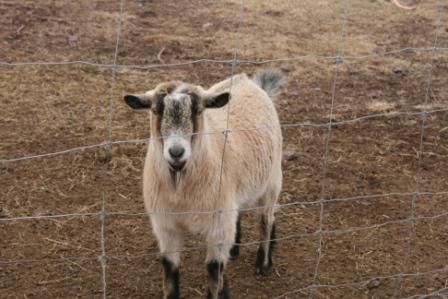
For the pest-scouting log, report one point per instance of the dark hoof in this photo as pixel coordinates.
(234, 252)
(263, 267)
(264, 270)
(224, 294)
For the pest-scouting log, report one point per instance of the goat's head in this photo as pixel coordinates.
(177, 116)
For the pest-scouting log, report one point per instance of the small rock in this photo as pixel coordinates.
(374, 284)
(289, 155)
(294, 92)
(377, 50)
(207, 25)
(288, 68)
(72, 38)
(399, 70)
(103, 156)
(274, 13)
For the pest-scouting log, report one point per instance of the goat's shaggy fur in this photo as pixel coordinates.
(220, 175)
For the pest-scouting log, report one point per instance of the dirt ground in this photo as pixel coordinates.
(48, 108)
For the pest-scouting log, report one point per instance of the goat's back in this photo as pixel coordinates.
(252, 156)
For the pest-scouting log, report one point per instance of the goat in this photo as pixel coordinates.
(192, 184)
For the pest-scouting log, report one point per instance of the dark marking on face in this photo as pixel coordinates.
(176, 113)
(172, 278)
(159, 110)
(194, 112)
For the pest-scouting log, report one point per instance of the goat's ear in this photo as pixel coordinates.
(138, 101)
(217, 100)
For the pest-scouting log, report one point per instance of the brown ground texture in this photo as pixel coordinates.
(49, 108)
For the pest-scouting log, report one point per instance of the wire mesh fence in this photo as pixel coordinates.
(412, 220)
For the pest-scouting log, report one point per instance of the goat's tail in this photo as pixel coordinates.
(270, 81)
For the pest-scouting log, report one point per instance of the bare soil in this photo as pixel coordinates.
(48, 108)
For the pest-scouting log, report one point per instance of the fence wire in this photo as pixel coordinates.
(368, 281)
(421, 146)
(313, 234)
(320, 233)
(406, 50)
(218, 214)
(305, 124)
(443, 293)
(351, 284)
(360, 198)
(339, 50)
(103, 257)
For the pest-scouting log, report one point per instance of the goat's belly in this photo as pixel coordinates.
(194, 224)
(250, 198)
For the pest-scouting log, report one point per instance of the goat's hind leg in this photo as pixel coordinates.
(267, 230)
(235, 250)
(267, 244)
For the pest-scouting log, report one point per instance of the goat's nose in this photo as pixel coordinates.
(176, 152)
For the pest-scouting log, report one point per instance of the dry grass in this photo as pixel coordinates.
(51, 108)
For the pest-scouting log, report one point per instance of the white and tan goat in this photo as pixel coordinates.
(186, 171)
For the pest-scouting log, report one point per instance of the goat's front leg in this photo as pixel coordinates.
(170, 243)
(220, 240)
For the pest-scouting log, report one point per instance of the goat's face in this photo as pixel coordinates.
(177, 117)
